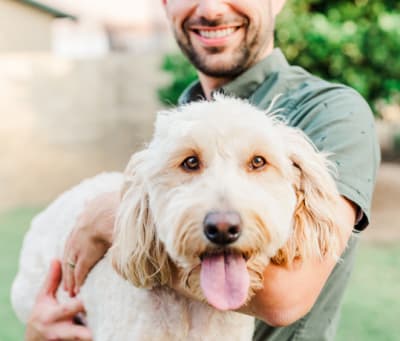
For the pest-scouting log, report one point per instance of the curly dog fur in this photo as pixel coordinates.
(218, 159)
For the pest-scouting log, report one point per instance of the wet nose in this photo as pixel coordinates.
(222, 228)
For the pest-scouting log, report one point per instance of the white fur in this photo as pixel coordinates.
(287, 209)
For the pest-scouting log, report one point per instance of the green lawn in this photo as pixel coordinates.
(371, 310)
(13, 225)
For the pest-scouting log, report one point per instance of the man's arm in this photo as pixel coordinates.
(290, 292)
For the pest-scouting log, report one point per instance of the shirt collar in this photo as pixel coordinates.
(245, 84)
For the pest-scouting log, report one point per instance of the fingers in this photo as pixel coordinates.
(82, 269)
(68, 310)
(50, 320)
(78, 241)
(52, 280)
(93, 251)
(89, 240)
(69, 279)
(70, 258)
(88, 258)
(68, 331)
(75, 276)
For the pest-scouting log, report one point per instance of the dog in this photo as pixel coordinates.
(222, 189)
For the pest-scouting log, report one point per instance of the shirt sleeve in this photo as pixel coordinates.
(340, 122)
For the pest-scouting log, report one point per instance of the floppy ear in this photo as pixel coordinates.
(315, 231)
(137, 254)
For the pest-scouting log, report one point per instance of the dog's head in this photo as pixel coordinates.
(221, 190)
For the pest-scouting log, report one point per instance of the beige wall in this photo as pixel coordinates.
(23, 28)
(64, 120)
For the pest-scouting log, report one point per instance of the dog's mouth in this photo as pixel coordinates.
(224, 279)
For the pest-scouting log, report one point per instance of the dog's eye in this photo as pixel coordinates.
(257, 162)
(191, 163)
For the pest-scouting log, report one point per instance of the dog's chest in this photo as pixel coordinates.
(120, 312)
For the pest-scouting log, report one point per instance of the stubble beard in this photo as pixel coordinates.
(234, 64)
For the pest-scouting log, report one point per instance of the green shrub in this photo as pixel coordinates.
(352, 42)
(182, 72)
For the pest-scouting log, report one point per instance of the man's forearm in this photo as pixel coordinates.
(290, 292)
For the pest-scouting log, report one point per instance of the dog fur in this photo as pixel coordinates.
(286, 208)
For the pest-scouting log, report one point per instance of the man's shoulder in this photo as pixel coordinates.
(305, 98)
(305, 89)
(301, 93)
(321, 107)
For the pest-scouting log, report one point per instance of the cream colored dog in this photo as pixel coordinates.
(221, 190)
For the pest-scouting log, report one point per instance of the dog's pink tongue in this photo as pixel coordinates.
(225, 281)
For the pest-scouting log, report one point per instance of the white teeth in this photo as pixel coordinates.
(217, 33)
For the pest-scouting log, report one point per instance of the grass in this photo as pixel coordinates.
(371, 309)
(13, 225)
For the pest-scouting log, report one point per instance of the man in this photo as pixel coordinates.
(230, 42)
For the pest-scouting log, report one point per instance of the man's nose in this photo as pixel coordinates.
(211, 9)
(222, 227)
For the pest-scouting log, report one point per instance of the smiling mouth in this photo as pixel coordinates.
(215, 33)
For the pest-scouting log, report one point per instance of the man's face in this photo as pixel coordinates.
(222, 38)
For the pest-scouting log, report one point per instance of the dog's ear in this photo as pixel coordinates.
(137, 254)
(315, 232)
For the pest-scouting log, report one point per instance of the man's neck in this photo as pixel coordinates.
(209, 83)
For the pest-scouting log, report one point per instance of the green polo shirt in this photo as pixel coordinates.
(338, 121)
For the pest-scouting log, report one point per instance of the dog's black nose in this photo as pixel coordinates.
(222, 228)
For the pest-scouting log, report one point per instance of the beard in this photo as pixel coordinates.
(232, 63)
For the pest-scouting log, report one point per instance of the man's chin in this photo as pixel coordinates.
(219, 63)
(220, 70)
(217, 66)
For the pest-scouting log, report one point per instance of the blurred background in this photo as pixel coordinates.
(81, 81)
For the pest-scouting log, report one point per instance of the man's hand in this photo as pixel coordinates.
(89, 240)
(51, 320)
